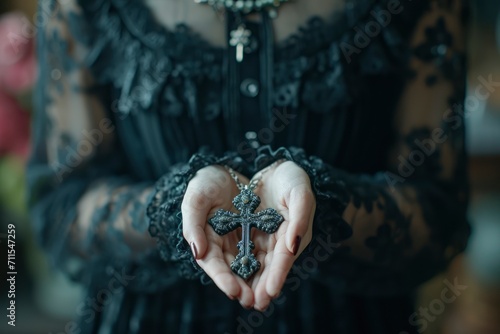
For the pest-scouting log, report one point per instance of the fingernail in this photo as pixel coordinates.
(276, 295)
(246, 307)
(261, 309)
(194, 250)
(296, 245)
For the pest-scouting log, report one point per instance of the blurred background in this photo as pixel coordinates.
(46, 301)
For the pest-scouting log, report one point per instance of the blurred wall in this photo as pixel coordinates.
(26, 6)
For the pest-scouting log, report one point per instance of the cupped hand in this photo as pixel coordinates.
(211, 189)
(285, 187)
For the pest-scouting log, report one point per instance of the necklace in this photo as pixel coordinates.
(243, 6)
(268, 220)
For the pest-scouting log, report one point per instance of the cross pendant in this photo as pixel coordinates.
(268, 220)
(240, 38)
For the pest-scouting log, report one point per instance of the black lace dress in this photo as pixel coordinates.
(368, 102)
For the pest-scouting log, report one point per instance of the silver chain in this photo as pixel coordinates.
(254, 182)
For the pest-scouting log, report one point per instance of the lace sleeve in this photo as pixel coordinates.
(85, 208)
(399, 227)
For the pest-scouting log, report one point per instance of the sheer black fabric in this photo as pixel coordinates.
(129, 109)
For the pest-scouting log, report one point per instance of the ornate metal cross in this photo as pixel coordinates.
(268, 220)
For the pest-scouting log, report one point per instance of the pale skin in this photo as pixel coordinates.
(285, 187)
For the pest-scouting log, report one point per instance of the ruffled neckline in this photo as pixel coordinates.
(171, 68)
(317, 33)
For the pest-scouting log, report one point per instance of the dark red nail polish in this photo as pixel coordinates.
(194, 250)
(296, 245)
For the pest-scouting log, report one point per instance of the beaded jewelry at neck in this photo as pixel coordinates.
(243, 6)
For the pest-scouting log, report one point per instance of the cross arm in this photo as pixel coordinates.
(224, 222)
(268, 220)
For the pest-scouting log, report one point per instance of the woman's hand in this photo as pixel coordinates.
(211, 189)
(286, 188)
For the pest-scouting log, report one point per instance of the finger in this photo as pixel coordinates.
(279, 268)
(216, 267)
(261, 257)
(195, 209)
(229, 258)
(246, 297)
(301, 206)
(262, 298)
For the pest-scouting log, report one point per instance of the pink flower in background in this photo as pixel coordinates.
(18, 71)
(17, 53)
